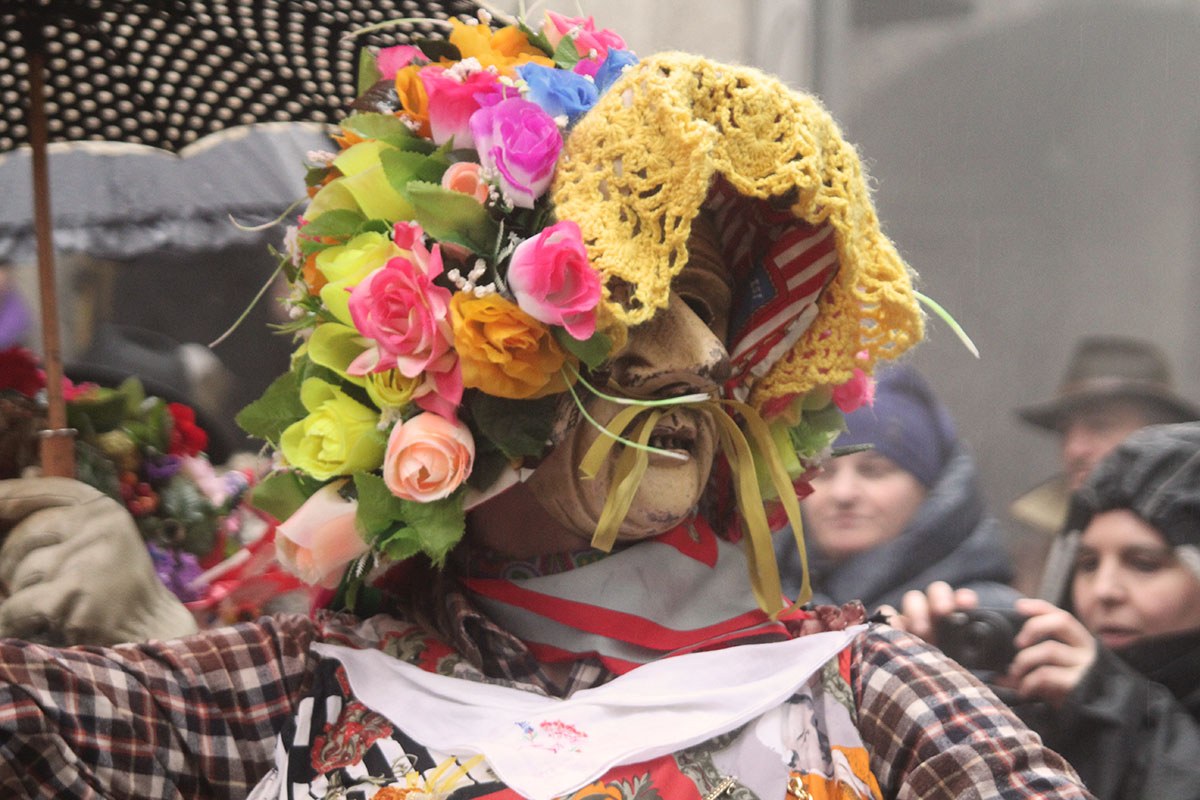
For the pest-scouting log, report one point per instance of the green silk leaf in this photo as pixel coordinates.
(593, 351)
(280, 406)
(452, 216)
(368, 71)
(378, 508)
(339, 223)
(281, 494)
(518, 427)
(566, 55)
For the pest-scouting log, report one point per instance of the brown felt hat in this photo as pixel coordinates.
(1113, 368)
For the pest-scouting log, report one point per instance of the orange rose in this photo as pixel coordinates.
(505, 49)
(413, 98)
(504, 351)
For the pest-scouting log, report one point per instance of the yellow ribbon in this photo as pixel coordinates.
(631, 467)
(783, 488)
(436, 784)
(627, 475)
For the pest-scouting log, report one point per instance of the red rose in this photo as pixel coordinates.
(187, 438)
(19, 371)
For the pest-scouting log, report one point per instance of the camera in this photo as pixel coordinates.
(980, 639)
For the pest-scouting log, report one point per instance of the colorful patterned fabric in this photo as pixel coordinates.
(805, 737)
(199, 719)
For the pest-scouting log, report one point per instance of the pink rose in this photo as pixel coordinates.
(428, 457)
(393, 59)
(464, 176)
(442, 389)
(520, 142)
(400, 307)
(587, 38)
(587, 66)
(854, 393)
(317, 542)
(454, 95)
(553, 282)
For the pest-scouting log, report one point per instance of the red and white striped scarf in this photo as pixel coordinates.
(683, 591)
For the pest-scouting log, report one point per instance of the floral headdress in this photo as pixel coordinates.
(504, 204)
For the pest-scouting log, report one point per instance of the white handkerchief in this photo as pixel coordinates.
(544, 747)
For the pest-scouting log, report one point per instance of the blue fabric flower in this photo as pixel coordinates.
(559, 91)
(614, 64)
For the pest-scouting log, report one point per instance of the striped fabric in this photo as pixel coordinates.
(780, 266)
(683, 591)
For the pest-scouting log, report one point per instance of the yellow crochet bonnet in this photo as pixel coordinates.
(650, 151)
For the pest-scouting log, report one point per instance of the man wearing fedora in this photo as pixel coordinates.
(1113, 385)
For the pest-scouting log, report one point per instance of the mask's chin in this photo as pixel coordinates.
(667, 494)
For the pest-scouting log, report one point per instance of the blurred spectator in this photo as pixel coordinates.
(1110, 676)
(179, 372)
(15, 317)
(1113, 385)
(904, 513)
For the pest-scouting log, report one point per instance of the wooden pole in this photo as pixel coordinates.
(58, 441)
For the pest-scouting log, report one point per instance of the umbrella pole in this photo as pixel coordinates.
(57, 441)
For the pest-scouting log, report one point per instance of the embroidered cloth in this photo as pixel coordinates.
(546, 747)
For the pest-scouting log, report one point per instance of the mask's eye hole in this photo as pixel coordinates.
(699, 307)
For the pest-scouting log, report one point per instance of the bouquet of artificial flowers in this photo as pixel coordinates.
(146, 453)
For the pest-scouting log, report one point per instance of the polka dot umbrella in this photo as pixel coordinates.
(165, 73)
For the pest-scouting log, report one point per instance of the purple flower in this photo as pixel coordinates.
(162, 468)
(177, 570)
(520, 142)
(559, 91)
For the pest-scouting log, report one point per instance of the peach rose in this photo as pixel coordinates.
(504, 351)
(428, 457)
(464, 176)
(317, 542)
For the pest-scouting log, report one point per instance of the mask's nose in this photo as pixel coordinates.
(672, 354)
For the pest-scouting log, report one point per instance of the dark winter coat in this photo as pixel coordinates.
(1131, 728)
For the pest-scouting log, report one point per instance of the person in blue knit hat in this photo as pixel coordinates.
(904, 511)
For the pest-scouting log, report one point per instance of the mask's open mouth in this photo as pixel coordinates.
(673, 433)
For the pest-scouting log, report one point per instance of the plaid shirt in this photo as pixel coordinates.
(198, 718)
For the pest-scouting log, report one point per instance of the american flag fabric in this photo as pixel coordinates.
(780, 266)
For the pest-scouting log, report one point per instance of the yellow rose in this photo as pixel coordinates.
(338, 437)
(504, 351)
(390, 389)
(344, 265)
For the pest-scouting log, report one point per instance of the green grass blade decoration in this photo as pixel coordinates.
(606, 432)
(269, 224)
(698, 397)
(949, 320)
(253, 302)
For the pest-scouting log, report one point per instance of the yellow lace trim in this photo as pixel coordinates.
(636, 169)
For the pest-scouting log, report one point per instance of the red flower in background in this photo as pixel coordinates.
(187, 438)
(19, 371)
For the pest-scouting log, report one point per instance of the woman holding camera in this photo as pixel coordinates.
(1110, 676)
